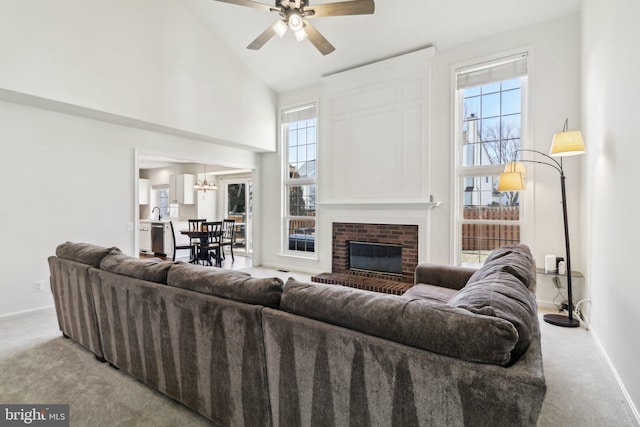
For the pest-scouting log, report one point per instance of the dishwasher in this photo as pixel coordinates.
(157, 238)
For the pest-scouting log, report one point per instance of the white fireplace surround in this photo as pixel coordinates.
(375, 213)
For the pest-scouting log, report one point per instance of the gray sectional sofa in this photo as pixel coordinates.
(460, 348)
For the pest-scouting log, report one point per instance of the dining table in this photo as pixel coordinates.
(202, 254)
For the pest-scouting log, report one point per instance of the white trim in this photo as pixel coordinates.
(31, 310)
(609, 363)
(377, 205)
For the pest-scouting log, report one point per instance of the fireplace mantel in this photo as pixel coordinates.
(377, 205)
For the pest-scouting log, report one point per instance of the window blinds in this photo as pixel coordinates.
(494, 71)
(292, 115)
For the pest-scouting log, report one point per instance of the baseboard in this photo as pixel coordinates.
(31, 310)
(547, 304)
(606, 358)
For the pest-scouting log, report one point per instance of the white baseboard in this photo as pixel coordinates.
(31, 310)
(606, 358)
(546, 304)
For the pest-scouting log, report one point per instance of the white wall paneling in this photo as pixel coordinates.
(375, 131)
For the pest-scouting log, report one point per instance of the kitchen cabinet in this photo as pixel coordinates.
(143, 191)
(181, 189)
(144, 233)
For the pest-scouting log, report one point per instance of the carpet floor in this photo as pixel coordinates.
(39, 366)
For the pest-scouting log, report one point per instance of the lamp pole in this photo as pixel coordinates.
(558, 319)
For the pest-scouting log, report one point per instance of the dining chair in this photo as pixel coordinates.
(176, 247)
(228, 236)
(195, 225)
(212, 242)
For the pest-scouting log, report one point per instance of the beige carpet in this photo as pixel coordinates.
(37, 365)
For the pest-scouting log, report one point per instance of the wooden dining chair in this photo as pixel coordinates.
(195, 225)
(228, 235)
(176, 247)
(212, 244)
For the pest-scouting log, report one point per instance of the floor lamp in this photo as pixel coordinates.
(565, 143)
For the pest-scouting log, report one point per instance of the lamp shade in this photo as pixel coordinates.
(568, 143)
(511, 181)
(515, 167)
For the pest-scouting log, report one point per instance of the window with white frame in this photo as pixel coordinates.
(300, 152)
(490, 109)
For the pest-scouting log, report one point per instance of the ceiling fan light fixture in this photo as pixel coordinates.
(280, 28)
(294, 14)
(301, 35)
(295, 21)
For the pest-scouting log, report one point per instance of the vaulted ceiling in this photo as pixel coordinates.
(396, 27)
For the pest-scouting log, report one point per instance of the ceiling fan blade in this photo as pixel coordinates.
(262, 39)
(355, 7)
(284, 3)
(248, 3)
(318, 39)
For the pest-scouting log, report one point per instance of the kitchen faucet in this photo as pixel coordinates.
(158, 212)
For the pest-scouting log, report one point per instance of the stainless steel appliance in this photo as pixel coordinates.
(157, 238)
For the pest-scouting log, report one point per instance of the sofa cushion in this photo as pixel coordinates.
(233, 285)
(430, 292)
(149, 269)
(513, 259)
(447, 276)
(85, 253)
(502, 296)
(420, 323)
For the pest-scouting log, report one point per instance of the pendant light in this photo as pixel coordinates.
(205, 185)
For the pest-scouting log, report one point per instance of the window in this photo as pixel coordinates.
(300, 149)
(161, 200)
(489, 116)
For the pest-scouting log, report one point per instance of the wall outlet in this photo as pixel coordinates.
(129, 226)
(38, 286)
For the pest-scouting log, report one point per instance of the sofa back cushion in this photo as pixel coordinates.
(233, 285)
(149, 269)
(420, 323)
(503, 297)
(504, 288)
(515, 260)
(85, 253)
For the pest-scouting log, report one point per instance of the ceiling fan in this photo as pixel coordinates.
(294, 14)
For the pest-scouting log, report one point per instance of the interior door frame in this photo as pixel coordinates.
(249, 208)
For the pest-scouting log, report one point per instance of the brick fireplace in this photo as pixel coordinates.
(394, 234)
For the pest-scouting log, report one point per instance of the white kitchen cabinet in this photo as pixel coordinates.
(144, 233)
(143, 191)
(181, 189)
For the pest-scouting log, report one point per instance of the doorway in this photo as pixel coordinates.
(238, 205)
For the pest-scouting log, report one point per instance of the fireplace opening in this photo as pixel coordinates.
(375, 257)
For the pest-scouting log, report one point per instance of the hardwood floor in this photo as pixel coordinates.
(241, 261)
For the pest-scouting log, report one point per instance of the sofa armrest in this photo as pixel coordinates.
(447, 276)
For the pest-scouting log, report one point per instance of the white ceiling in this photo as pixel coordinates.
(396, 27)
